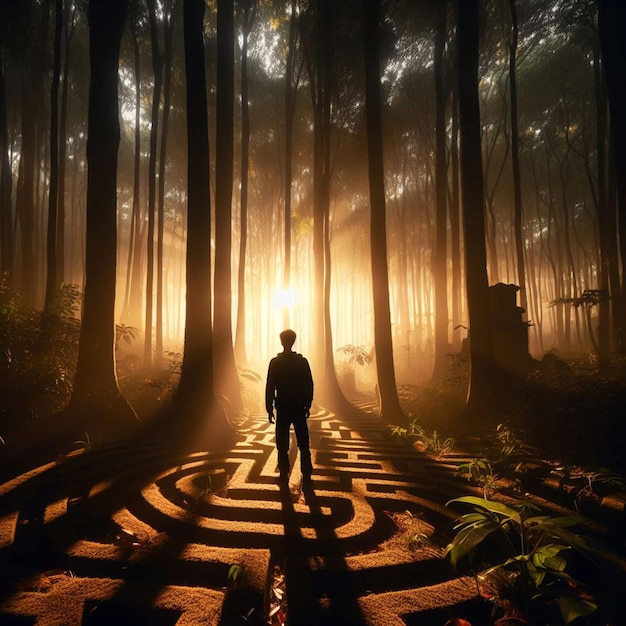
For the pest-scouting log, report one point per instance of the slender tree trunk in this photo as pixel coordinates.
(603, 213)
(440, 264)
(70, 11)
(131, 309)
(51, 248)
(157, 66)
(290, 107)
(6, 183)
(515, 160)
(227, 381)
(167, 93)
(481, 397)
(96, 392)
(240, 331)
(390, 409)
(455, 226)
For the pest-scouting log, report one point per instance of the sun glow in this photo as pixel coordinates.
(284, 298)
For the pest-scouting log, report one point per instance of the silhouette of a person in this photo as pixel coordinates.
(289, 388)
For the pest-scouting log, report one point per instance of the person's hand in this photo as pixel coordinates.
(270, 417)
(307, 412)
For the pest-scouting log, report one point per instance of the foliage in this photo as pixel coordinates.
(527, 558)
(590, 486)
(480, 472)
(37, 355)
(235, 574)
(432, 442)
(356, 355)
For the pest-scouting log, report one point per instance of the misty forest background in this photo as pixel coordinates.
(181, 180)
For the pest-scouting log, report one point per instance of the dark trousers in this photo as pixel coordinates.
(285, 417)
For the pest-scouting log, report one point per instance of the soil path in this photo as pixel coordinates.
(136, 534)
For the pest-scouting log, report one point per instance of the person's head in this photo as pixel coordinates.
(287, 338)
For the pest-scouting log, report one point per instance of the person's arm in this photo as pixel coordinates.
(309, 387)
(270, 387)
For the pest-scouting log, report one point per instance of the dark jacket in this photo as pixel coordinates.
(289, 382)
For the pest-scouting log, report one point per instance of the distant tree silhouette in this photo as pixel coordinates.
(96, 392)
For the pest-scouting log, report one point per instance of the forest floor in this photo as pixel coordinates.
(137, 533)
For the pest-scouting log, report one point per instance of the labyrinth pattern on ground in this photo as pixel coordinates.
(138, 534)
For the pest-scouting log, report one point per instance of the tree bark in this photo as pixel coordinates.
(390, 409)
(249, 13)
(480, 399)
(195, 392)
(440, 257)
(611, 25)
(51, 249)
(515, 161)
(227, 380)
(6, 183)
(96, 392)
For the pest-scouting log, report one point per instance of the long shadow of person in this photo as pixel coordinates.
(319, 590)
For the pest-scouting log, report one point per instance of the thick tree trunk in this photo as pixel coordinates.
(195, 392)
(390, 409)
(96, 396)
(227, 380)
(481, 398)
(612, 24)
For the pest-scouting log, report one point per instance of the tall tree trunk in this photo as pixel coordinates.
(227, 381)
(51, 248)
(480, 399)
(603, 213)
(515, 160)
(290, 108)
(455, 225)
(131, 309)
(249, 12)
(440, 257)
(70, 11)
(612, 25)
(96, 392)
(390, 409)
(196, 388)
(6, 183)
(157, 66)
(167, 94)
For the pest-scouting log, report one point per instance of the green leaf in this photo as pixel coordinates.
(469, 537)
(491, 506)
(573, 606)
(548, 557)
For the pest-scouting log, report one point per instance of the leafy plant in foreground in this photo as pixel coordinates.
(527, 557)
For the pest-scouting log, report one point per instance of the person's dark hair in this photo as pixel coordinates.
(287, 338)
